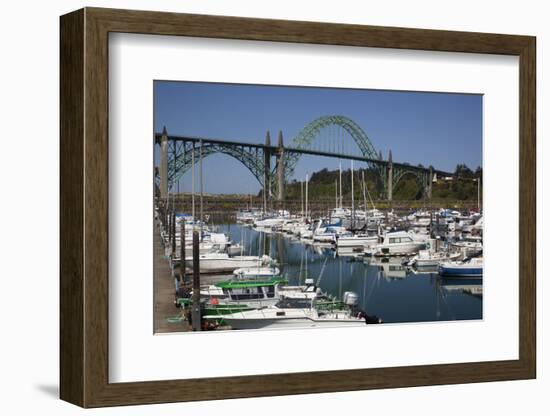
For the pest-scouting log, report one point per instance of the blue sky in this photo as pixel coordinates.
(430, 128)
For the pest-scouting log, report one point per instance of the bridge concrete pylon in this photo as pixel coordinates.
(164, 165)
(280, 168)
(267, 169)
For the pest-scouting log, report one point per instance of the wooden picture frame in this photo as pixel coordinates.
(84, 207)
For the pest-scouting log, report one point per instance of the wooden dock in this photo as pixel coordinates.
(164, 290)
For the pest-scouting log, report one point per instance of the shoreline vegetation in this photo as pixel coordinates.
(461, 187)
(458, 192)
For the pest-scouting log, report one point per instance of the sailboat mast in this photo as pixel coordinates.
(364, 197)
(201, 185)
(478, 206)
(340, 175)
(302, 197)
(193, 184)
(336, 193)
(307, 180)
(352, 200)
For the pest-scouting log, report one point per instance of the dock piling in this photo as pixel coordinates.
(196, 308)
(173, 228)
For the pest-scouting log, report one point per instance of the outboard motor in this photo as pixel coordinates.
(351, 299)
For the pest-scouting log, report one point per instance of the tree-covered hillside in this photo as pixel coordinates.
(322, 184)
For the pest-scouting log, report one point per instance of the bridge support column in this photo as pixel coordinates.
(267, 171)
(280, 168)
(164, 165)
(390, 177)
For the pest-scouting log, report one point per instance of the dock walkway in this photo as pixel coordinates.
(164, 289)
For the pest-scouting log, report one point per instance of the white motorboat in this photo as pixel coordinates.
(327, 233)
(269, 222)
(468, 268)
(349, 240)
(221, 262)
(301, 312)
(276, 219)
(396, 243)
(248, 216)
(470, 246)
(427, 258)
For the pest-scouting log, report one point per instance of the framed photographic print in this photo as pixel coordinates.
(256, 207)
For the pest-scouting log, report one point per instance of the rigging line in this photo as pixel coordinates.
(321, 272)
(370, 198)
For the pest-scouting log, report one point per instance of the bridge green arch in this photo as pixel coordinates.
(307, 135)
(183, 161)
(420, 177)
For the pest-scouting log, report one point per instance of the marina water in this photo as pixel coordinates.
(385, 287)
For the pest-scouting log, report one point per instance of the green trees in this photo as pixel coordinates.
(322, 184)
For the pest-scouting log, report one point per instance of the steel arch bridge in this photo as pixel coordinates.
(177, 155)
(313, 130)
(182, 158)
(423, 178)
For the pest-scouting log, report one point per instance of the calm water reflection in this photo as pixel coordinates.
(385, 289)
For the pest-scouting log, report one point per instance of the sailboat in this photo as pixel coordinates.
(350, 240)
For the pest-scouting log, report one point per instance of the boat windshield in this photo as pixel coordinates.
(293, 303)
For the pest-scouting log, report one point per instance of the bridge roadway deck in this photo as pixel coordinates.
(274, 149)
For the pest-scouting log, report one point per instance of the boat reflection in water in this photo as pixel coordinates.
(388, 267)
(471, 287)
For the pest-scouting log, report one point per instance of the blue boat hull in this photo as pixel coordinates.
(461, 271)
